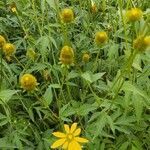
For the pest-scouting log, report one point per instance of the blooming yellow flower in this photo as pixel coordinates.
(141, 43)
(13, 7)
(134, 14)
(69, 140)
(67, 15)
(85, 57)
(28, 82)
(66, 55)
(2, 41)
(100, 37)
(8, 49)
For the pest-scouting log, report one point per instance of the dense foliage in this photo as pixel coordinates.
(75, 61)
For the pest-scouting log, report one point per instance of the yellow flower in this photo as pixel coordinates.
(67, 15)
(66, 55)
(2, 41)
(147, 41)
(101, 37)
(134, 14)
(85, 57)
(70, 139)
(8, 49)
(28, 82)
(13, 9)
(141, 43)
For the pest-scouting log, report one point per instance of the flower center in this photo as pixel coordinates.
(70, 137)
(27, 79)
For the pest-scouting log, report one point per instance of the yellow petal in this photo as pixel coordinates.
(65, 145)
(74, 146)
(77, 132)
(58, 143)
(66, 128)
(81, 140)
(59, 134)
(73, 127)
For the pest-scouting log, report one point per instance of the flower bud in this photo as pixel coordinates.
(66, 55)
(28, 82)
(134, 14)
(67, 15)
(101, 37)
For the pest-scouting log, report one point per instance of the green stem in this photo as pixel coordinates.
(96, 60)
(21, 24)
(65, 73)
(1, 69)
(55, 117)
(19, 62)
(123, 21)
(36, 17)
(121, 78)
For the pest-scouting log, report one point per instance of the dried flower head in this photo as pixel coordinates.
(134, 14)
(101, 37)
(9, 49)
(66, 55)
(31, 54)
(46, 75)
(70, 139)
(94, 8)
(85, 57)
(67, 15)
(28, 82)
(141, 43)
(2, 41)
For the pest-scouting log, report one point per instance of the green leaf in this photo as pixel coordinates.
(89, 77)
(31, 114)
(137, 63)
(48, 96)
(111, 123)
(84, 109)
(3, 119)
(129, 87)
(43, 44)
(124, 146)
(52, 3)
(100, 124)
(37, 67)
(138, 105)
(43, 5)
(53, 42)
(3, 122)
(97, 76)
(97, 124)
(56, 86)
(4, 144)
(72, 75)
(6, 95)
(66, 111)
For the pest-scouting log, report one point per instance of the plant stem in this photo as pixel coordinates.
(1, 69)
